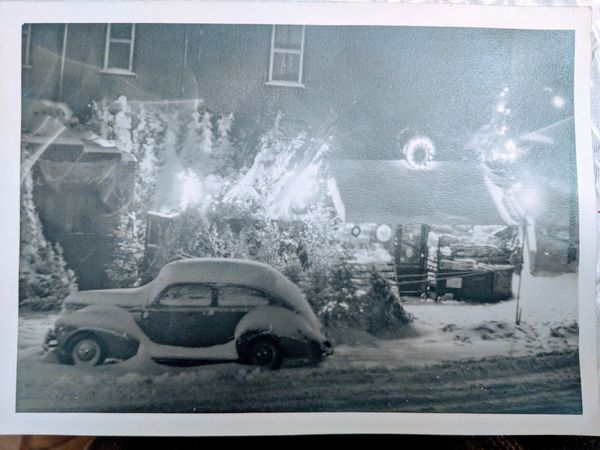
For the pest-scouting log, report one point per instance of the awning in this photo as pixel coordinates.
(111, 180)
(388, 191)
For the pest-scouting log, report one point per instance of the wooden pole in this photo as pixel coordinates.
(523, 246)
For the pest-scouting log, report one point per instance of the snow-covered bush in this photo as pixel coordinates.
(171, 145)
(308, 252)
(383, 311)
(333, 295)
(148, 136)
(128, 253)
(44, 279)
(293, 247)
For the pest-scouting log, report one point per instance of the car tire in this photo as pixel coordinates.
(264, 353)
(86, 349)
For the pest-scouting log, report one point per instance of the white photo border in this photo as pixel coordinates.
(14, 14)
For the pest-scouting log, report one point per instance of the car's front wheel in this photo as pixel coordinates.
(265, 353)
(86, 350)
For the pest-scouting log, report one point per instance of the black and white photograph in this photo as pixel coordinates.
(295, 217)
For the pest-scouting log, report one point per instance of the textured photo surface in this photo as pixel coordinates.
(287, 218)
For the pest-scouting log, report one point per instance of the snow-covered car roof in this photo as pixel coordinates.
(233, 271)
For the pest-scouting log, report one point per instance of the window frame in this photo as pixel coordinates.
(300, 52)
(213, 296)
(27, 63)
(110, 40)
(266, 295)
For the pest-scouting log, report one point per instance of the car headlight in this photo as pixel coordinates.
(68, 308)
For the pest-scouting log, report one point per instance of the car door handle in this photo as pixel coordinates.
(145, 314)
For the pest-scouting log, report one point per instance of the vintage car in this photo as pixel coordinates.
(195, 309)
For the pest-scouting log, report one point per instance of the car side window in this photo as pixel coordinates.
(242, 296)
(186, 295)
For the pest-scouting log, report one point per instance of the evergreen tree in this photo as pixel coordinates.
(148, 136)
(384, 312)
(224, 151)
(191, 142)
(123, 125)
(206, 134)
(44, 279)
(128, 254)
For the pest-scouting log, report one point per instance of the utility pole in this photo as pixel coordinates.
(522, 264)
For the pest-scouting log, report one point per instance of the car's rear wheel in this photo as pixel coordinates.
(265, 353)
(86, 350)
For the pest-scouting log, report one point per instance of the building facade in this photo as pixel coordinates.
(369, 87)
(370, 83)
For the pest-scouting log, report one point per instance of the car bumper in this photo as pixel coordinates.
(321, 350)
(50, 341)
(326, 348)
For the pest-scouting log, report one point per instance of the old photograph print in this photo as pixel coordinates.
(287, 218)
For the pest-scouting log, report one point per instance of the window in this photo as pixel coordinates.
(26, 45)
(241, 296)
(287, 55)
(118, 52)
(186, 295)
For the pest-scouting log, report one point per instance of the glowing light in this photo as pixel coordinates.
(383, 233)
(510, 145)
(558, 102)
(304, 189)
(419, 152)
(507, 153)
(191, 188)
(530, 197)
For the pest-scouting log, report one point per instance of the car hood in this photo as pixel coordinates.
(119, 297)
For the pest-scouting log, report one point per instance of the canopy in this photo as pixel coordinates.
(390, 191)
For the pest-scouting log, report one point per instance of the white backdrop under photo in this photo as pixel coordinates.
(551, 315)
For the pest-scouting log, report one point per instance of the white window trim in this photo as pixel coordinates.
(109, 40)
(274, 50)
(27, 63)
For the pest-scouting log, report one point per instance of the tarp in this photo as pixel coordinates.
(112, 180)
(390, 191)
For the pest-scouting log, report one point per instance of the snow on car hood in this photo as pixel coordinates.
(119, 297)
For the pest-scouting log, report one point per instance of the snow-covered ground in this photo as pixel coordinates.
(476, 352)
(453, 330)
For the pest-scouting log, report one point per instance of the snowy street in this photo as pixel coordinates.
(455, 357)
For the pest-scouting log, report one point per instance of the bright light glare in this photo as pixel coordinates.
(508, 152)
(510, 145)
(530, 198)
(303, 192)
(558, 101)
(191, 188)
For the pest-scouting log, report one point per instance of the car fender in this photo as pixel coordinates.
(286, 327)
(109, 318)
(114, 326)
